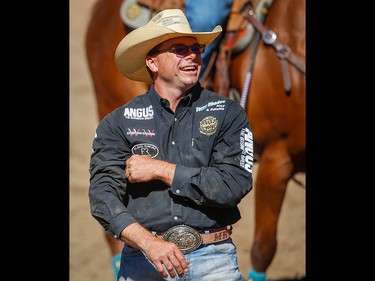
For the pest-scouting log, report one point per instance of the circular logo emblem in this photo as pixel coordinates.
(133, 11)
(133, 15)
(146, 149)
(207, 126)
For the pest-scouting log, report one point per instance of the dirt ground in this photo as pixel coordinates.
(90, 258)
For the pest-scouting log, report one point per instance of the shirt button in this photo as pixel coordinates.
(177, 191)
(175, 119)
(173, 143)
(175, 218)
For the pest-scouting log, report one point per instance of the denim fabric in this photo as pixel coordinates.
(204, 15)
(211, 262)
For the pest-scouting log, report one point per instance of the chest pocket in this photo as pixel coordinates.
(203, 139)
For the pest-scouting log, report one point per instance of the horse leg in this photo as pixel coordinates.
(269, 195)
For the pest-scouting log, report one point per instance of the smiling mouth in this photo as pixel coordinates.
(189, 68)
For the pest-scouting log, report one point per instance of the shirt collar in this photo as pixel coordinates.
(159, 103)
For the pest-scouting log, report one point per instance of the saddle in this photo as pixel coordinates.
(238, 33)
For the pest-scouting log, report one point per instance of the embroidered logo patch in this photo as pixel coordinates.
(140, 132)
(146, 149)
(143, 113)
(207, 126)
(247, 147)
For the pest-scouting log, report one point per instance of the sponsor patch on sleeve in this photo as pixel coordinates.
(246, 143)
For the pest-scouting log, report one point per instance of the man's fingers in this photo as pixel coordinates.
(170, 268)
(180, 264)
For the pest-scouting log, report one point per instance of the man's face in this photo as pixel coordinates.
(178, 61)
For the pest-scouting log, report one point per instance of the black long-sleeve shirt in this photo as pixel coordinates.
(209, 139)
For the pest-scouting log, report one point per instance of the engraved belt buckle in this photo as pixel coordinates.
(185, 237)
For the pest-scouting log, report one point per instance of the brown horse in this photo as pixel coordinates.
(278, 120)
(275, 102)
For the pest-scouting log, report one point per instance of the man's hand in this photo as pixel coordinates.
(158, 251)
(143, 168)
(168, 254)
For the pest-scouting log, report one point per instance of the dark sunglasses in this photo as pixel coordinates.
(183, 50)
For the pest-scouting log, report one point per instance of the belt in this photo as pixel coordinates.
(188, 239)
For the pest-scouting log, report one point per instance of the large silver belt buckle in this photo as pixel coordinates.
(185, 237)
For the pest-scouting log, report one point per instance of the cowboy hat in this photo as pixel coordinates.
(131, 52)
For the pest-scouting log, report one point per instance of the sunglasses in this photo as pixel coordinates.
(183, 50)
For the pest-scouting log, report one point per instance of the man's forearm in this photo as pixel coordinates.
(137, 236)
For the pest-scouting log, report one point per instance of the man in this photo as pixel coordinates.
(169, 168)
(203, 15)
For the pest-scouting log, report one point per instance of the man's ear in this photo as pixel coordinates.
(150, 63)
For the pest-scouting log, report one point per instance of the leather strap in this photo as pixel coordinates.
(216, 236)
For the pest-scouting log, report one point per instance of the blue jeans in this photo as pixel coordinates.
(204, 15)
(210, 262)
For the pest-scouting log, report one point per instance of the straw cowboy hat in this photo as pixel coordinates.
(131, 52)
